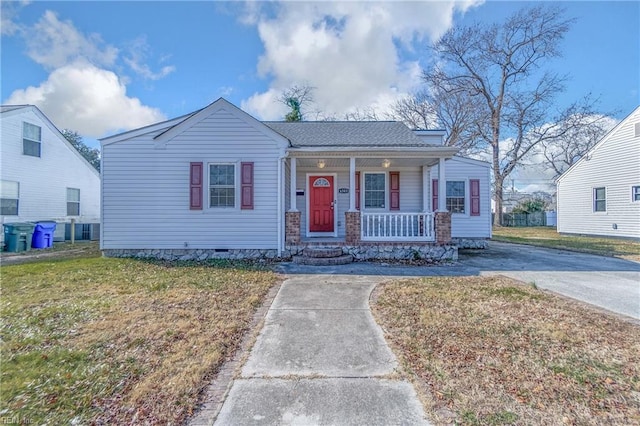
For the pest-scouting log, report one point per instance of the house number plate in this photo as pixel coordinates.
(343, 190)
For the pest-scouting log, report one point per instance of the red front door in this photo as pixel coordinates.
(321, 204)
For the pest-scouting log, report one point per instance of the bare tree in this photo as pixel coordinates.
(496, 68)
(583, 130)
(439, 108)
(297, 98)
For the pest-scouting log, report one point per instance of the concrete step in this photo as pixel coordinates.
(323, 261)
(322, 252)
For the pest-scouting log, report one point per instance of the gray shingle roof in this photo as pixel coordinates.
(347, 134)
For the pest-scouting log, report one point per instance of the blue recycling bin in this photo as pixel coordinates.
(43, 235)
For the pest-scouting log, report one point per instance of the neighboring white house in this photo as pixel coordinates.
(220, 181)
(43, 177)
(600, 193)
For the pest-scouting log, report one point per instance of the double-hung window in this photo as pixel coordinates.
(456, 196)
(9, 197)
(31, 139)
(635, 193)
(222, 185)
(73, 202)
(374, 190)
(599, 200)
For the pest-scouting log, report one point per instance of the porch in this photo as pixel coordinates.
(366, 200)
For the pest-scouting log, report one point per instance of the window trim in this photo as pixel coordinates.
(16, 199)
(39, 142)
(236, 194)
(363, 191)
(73, 202)
(466, 197)
(635, 191)
(596, 200)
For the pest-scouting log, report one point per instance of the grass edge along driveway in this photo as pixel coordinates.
(118, 341)
(545, 236)
(491, 351)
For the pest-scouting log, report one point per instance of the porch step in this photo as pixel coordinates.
(320, 252)
(323, 261)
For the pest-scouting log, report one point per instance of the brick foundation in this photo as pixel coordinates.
(352, 228)
(292, 227)
(443, 227)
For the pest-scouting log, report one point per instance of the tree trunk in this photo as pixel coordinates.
(499, 183)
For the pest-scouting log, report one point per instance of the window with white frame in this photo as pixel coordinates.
(9, 197)
(635, 193)
(31, 139)
(73, 202)
(599, 200)
(374, 190)
(455, 196)
(222, 185)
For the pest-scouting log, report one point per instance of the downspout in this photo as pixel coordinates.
(281, 159)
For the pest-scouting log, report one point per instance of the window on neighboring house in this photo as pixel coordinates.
(222, 185)
(599, 200)
(9, 197)
(73, 202)
(455, 196)
(374, 190)
(31, 139)
(635, 193)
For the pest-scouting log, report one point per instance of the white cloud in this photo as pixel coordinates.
(82, 92)
(54, 43)
(347, 51)
(138, 54)
(87, 99)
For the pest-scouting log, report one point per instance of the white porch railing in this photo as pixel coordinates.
(397, 227)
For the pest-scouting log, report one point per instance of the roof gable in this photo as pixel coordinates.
(221, 104)
(602, 142)
(9, 110)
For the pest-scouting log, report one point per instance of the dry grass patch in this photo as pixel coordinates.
(119, 341)
(544, 236)
(495, 351)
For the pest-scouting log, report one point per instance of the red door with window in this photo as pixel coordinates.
(321, 204)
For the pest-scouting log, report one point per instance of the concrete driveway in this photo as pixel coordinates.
(606, 282)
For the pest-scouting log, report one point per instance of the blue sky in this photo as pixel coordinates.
(102, 67)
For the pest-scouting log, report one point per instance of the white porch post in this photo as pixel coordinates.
(352, 184)
(425, 189)
(292, 186)
(442, 187)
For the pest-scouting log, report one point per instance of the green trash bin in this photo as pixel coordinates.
(17, 236)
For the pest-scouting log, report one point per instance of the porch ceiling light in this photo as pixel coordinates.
(321, 164)
(386, 164)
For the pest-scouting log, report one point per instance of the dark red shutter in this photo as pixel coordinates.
(195, 185)
(434, 195)
(357, 190)
(474, 184)
(246, 186)
(394, 190)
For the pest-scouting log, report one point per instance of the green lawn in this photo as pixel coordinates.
(118, 341)
(548, 237)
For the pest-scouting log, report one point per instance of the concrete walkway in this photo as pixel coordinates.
(321, 359)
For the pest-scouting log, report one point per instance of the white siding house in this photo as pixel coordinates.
(219, 183)
(600, 193)
(460, 172)
(43, 177)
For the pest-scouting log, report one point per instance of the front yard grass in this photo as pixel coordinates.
(545, 236)
(491, 350)
(118, 341)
